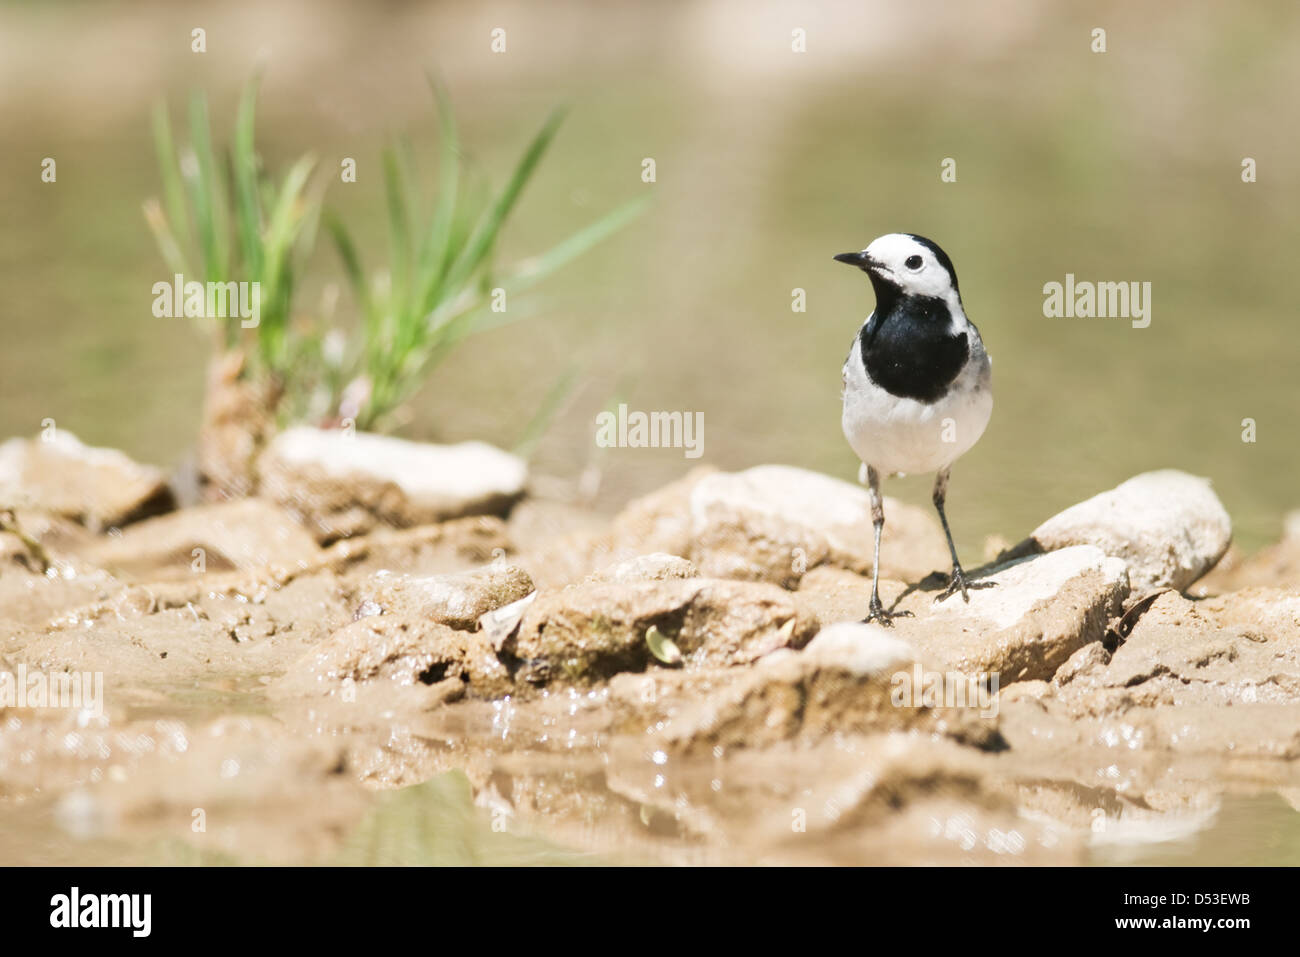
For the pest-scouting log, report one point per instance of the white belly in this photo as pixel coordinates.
(899, 435)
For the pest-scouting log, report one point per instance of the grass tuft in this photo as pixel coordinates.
(436, 289)
(225, 219)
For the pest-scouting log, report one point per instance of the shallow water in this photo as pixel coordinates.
(1251, 831)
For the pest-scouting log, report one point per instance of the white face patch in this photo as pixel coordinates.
(912, 266)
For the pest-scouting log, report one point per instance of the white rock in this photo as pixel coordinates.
(1020, 586)
(773, 522)
(432, 476)
(244, 534)
(99, 487)
(1169, 528)
(343, 483)
(1039, 611)
(785, 492)
(858, 648)
(458, 600)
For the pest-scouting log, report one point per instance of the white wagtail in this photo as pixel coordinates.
(917, 383)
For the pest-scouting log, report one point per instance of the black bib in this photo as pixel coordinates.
(911, 353)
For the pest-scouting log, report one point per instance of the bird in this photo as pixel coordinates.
(917, 384)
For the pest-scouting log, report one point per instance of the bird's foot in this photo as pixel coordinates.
(879, 614)
(959, 582)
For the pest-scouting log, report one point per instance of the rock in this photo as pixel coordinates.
(591, 631)
(397, 651)
(657, 523)
(1087, 660)
(1023, 690)
(1236, 649)
(832, 594)
(1200, 691)
(1256, 730)
(660, 521)
(1039, 612)
(344, 484)
(770, 523)
(574, 558)
(455, 600)
(1169, 527)
(451, 546)
(536, 524)
(646, 568)
(97, 487)
(855, 648)
(849, 679)
(242, 535)
(773, 523)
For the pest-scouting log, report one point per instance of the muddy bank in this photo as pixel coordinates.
(445, 672)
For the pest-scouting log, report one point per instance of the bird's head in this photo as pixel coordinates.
(901, 264)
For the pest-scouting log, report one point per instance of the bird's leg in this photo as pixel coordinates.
(958, 581)
(878, 612)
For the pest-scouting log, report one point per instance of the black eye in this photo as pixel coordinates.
(912, 262)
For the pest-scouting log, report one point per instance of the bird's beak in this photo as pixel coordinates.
(861, 260)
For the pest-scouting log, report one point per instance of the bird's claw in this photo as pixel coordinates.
(879, 614)
(959, 582)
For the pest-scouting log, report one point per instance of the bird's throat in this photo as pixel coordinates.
(909, 347)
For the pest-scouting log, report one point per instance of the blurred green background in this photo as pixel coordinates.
(1117, 166)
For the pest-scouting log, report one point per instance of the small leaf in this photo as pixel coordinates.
(663, 647)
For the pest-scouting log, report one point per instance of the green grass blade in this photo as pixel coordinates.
(539, 267)
(485, 234)
(167, 245)
(247, 208)
(438, 250)
(550, 407)
(458, 325)
(287, 216)
(474, 318)
(173, 186)
(282, 230)
(352, 267)
(310, 225)
(449, 300)
(207, 195)
(399, 229)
